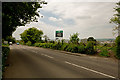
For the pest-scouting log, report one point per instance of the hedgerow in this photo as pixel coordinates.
(5, 52)
(66, 47)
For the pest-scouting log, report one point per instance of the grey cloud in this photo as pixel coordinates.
(84, 17)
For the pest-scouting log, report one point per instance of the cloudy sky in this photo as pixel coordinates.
(86, 18)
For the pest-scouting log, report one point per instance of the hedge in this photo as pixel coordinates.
(5, 52)
(76, 48)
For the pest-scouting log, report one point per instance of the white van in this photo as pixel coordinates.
(10, 43)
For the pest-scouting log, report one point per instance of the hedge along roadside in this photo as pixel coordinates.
(5, 52)
(70, 47)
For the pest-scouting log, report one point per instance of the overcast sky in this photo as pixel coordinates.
(86, 18)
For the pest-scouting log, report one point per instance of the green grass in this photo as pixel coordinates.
(104, 52)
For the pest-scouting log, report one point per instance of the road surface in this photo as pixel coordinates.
(35, 62)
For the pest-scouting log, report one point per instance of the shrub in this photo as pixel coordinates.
(75, 48)
(118, 47)
(69, 48)
(49, 45)
(45, 45)
(104, 52)
(52, 41)
(90, 48)
(40, 44)
(53, 46)
(37, 44)
(56, 46)
(22, 43)
(72, 48)
(29, 43)
(81, 48)
(64, 46)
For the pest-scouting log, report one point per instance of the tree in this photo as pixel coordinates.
(46, 38)
(18, 14)
(90, 48)
(92, 39)
(32, 34)
(116, 18)
(118, 47)
(74, 38)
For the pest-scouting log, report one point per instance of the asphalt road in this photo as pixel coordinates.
(35, 62)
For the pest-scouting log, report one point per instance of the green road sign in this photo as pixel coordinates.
(59, 33)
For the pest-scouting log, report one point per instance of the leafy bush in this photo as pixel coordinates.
(74, 38)
(64, 46)
(37, 44)
(52, 41)
(29, 43)
(81, 48)
(56, 46)
(44, 45)
(5, 52)
(104, 52)
(69, 48)
(72, 48)
(90, 48)
(118, 47)
(49, 45)
(22, 43)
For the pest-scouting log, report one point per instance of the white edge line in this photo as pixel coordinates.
(89, 69)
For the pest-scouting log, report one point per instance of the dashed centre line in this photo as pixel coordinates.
(34, 51)
(44, 54)
(47, 55)
(90, 70)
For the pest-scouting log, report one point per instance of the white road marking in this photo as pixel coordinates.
(42, 54)
(90, 70)
(34, 51)
(92, 57)
(47, 55)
